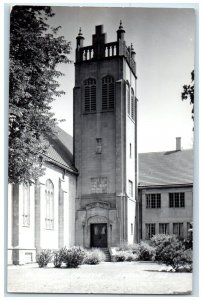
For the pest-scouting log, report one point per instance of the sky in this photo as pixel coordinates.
(164, 41)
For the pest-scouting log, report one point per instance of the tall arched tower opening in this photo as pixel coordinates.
(105, 140)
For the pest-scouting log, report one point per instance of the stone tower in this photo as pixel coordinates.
(105, 140)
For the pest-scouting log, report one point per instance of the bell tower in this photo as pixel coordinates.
(105, 140)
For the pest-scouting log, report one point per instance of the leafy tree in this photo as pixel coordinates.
(188, 92)
(36, 50)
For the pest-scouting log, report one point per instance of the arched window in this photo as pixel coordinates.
(90, 94)
(132, 104)
(107, 93)
(49, 198)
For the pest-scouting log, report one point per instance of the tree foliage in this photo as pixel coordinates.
(36, 50)
(188, 92)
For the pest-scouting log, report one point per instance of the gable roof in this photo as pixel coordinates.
(165, 168)
(60, 151)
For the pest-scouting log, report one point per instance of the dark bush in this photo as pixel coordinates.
(74, 257)
(189, 241)
(59, 257)
(172, 252)
(44, 257)
(146, 252)
(184, 262)
(160, 241)
(120, 256)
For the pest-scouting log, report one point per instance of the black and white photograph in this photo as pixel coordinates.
(101, 134)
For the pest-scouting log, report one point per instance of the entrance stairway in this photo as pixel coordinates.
(107, 254)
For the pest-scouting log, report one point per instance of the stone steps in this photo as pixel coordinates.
(107, 254)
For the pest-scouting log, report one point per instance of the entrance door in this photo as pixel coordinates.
(99, 235)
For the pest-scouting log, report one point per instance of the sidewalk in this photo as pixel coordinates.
(105, 278)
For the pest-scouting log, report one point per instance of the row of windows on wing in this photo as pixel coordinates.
(176, 200)
(108, 91)
(163, 228)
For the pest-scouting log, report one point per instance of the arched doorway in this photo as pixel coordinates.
(98, 235)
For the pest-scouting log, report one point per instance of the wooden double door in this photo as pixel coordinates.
(99, 235)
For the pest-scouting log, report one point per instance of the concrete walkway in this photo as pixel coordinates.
(105, 278)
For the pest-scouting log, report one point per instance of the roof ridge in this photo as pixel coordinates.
(172, 151)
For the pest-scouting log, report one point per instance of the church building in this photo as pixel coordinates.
(88, 194)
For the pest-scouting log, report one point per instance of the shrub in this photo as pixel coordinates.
(160, 241)
(183, 261)
(176, 256)
(74, 257)
(124, 255)
(145, 252)
(172, 252)
(189, 241)
(59, 257)
(131, 256)
(94, 256)
(120, 256)
(44, 257)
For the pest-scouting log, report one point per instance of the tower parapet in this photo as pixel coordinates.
(102, 50)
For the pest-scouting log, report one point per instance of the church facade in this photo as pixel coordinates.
(88, 194)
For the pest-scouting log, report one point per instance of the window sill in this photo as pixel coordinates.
(89, 112)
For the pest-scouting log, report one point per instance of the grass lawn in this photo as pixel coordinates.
(105, 278)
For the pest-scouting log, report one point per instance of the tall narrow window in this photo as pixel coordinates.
(99, 146)
(132, 104)
(90, 95)
(131, 229)
(49, 198)
(130, 188)
(130, 151)
(128, 96)
(164, 228)
(178, 229)
(26, 205)
(108, 93)
(150, 231)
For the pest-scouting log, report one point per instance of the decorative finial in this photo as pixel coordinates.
(80, 31)
(121, 26)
